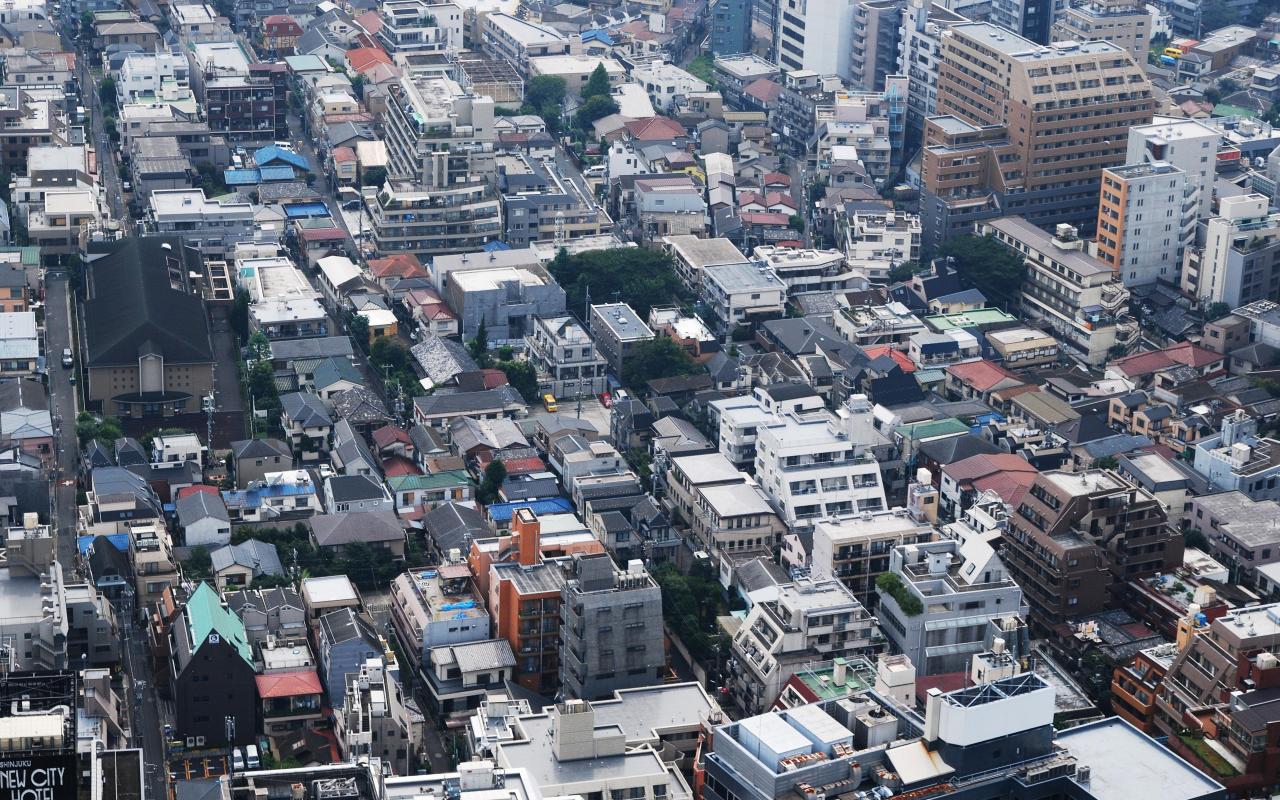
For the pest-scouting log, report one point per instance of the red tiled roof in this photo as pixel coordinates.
(946, 682)
(765, 218)
(1184, 353)
(421, 297)
(900, 358)
(322, 234)
(200, 488)
(654, 129)
(763, 89)
(493, 378)
(388, 435)
(288, 684)
(399, 265)
(396, 466)
(980, 466)
(780, 178)
(1011, 486)
(343, 155)
(524, 466)
(363, 58)
(983, 375)
(371, 21)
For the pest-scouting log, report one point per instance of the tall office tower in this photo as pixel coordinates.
(877, 26)
(815, 35)
(731, 27)
(919, 46)
(1146, 219)
(1025, 129)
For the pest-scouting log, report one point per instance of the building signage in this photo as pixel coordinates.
(51, 777)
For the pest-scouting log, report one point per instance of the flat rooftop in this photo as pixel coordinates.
(1250, 522)
(1125, 764)
(698, 252)
(1078, 483)
(707, 468)
(487, 280)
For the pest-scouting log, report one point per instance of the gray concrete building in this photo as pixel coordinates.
(618, 330)
(611, 628)
(961, 586)
(507, 299)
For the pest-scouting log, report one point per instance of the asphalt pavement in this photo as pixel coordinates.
(63, 405)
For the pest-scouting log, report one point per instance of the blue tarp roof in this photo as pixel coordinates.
(264, 156)
(496, 246)
(598, 34)
(303, 210)
(283, 172)
(120, 540)
(501, 512)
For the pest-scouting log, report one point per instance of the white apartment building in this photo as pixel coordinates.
(815, 35)
(212, 226)
(814, 464)
(1146, 217)
(811, 620)
(740, 294)
(374, 721)
(568, 363)
(810, 270)
(441, 196)
(919, 50)
(665, 82)
(739, 418)
(1188, 144)
(421, 26)
(876, 241)
(854, 549)
(198, 23)
(515, 40)
(1240, 260)
(147, 76)
(1074, 295)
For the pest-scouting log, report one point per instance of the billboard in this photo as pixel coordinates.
(38, 777)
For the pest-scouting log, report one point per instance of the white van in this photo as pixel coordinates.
(237, 760)
(251, 760)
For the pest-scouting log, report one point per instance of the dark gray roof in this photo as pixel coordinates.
(345, 624)
(351, 488)
(957, 448)
(133, 310)
(468, 402)
(788, 391)
(349, 446)
(260, 557)
(259, 448)
(22, 393)
(264, 600)
(201, 505)
(442, 360)
(361, 405)
(332, 370)
(427, 440)
(331, 530)
(323, 347)
(451, 525)
(307, 409)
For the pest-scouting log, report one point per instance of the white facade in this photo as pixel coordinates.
(816, 465)
(739, 292)
(815, 35)
(741, 417)
(147, 73)
(1187, 144)
(1238, 250)
(1158, 220)
(877, 241)
(210, 225)
(664, 82)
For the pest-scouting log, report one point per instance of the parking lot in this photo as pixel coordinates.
(592, 410)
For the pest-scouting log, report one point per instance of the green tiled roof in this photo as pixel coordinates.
(968, 319)
(207, 615)
(937, 427)
(437, 480)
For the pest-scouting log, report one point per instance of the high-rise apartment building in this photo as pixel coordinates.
(1031, 19)
(731, 27)
(1076, 534)
(611, 633)
(815, 35)
(1025, 129)
(1122, 22)
(1240, 260)
(877, 26)
(1188, 144)
(1146, 217)
(440, 196)
(919, 48)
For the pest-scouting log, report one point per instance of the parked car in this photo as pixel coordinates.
(68, 360)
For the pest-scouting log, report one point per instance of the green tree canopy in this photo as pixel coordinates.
(986, 264)
(594, 108)
(544, 90)
(523, 378)
(479, 346)
(597, 84)
(374, 176)
(642, 277)
(89, 428)
(660, 357)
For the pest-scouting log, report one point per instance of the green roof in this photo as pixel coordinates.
(928, 430)
(968, 319)
(207, 615)
(859, 676)
(436, 480)
(30, 256)
(1224, 110)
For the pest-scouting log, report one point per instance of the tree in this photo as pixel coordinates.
(523, 378)
(239, 314)
(593, 109)
(198, 565)
(107, 93)
(1216, 311)
(644, 277)
(1213, 95)
(105, 430)
(796, 223)
(494, 476)
(891, 584)
(1215, 14)
(987, 265)
(479, 346)
(903, 272)
(544, 90)
(86, 25)
(703, 68)
(359, 327)
(259, 348)
(659, 357)
(357, 85)
(597, 84)
(374, 176)
(1196, 538)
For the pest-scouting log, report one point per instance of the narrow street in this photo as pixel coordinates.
(63, 405)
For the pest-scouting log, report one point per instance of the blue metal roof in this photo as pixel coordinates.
(302, 210)
(264, 156)
(495, 246)
(598, 34)
(252, 498)
(120, 540)
(241, 177)
(280, 173)
(501, 512)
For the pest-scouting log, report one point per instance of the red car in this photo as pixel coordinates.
(606, 400)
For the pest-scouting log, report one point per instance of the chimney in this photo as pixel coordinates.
(840, 672)
(529, 534)
(932, 715)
